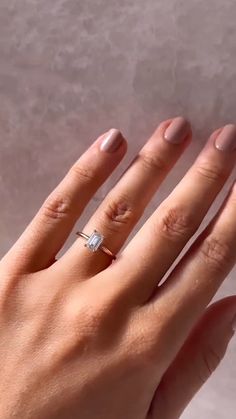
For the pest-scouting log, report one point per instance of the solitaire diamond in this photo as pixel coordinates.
(94, 241)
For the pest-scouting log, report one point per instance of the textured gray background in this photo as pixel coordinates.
(71, 69)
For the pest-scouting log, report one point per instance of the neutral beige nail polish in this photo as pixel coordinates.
(226, 140)
(112, 141)
(177, 131)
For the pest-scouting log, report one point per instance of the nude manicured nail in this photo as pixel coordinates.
(226, 140)
(112, 141)
(177, 130)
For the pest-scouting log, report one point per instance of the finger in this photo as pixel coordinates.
(125, 204)
(196, 361)
(194, 282)
(48, 231)
(165, 234)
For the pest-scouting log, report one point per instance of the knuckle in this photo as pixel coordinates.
(85, 320)
(215, 252)
(90, 318)
(146, 350)
(211, 172)
(176, 222)
(55, 207)
(119, 213)
(81, 173)
(152, 162)
(142, 347)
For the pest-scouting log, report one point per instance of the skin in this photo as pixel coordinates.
(81, 337)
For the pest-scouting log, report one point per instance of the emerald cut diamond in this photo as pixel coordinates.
(94, 241)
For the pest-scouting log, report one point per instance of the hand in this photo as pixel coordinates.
(82, 337)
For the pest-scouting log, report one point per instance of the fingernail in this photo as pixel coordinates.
(112, 141)
(226, 140)
(177, 130)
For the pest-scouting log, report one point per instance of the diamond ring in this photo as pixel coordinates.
(94, 242)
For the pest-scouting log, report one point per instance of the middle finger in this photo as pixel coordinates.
(124, 205)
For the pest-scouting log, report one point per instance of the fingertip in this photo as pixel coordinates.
(175, 131)
(112, 142)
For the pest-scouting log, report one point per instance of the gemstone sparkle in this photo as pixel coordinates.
(94, 241)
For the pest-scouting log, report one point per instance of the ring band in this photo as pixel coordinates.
(94, 243)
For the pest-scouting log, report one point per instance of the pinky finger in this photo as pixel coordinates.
(196, 361)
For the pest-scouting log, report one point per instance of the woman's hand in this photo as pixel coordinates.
(81, 337)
